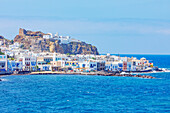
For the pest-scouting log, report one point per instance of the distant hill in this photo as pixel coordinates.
(34, 41)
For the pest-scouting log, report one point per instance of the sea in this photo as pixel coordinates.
(88, 94)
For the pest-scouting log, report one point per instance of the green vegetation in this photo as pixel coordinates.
(36, 67)
(12, 41)
(68, 54)
(93, 58)
(12, 59)
(1, 53)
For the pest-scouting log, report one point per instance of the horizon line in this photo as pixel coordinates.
(138, 53)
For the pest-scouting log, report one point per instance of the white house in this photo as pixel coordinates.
(16, 45)
(88, 65)
(28, 62)
(4, 64)
(114, 66)
(64, 40)
(74, 40)
(48, 36)
(1, 42)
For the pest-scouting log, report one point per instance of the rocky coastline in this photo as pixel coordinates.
(82, 73)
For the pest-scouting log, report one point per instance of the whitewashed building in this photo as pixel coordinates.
(48, 36)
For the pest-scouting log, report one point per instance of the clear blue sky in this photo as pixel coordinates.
(114, 26)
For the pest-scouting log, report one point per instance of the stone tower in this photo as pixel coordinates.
(22, 32)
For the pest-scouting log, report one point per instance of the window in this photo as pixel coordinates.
(120, 65)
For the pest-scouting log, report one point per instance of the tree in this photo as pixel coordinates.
(68, 54)
(12, 41)
(37, 67)
(1, 53)
(12, 59)
(93, 58)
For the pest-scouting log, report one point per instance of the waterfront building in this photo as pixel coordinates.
(59, 61)
(46, 61)
(114, 66)
(72, 64)
(12, 65)
(100, 65)
(28, 62)
(3, 64)
(43, 66)
(88, 66)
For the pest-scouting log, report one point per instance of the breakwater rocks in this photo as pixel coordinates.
(81, 73)
(129, 75)
(93, 73)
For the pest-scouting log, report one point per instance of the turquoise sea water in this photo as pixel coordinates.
(77, 93)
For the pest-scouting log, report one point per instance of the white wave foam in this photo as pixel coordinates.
(4, 79)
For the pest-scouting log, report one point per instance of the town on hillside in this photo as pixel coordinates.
(40, 52)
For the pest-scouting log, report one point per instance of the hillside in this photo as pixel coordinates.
(5, 42)
(35, 42)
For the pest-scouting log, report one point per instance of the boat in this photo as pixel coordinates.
(147, 70)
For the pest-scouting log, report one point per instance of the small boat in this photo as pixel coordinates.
(147, 70)
(124, 73)
(154, 71)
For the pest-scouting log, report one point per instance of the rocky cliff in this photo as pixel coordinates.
(35, 42)
(79, 47)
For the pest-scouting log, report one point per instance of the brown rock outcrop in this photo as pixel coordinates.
(35, 42)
